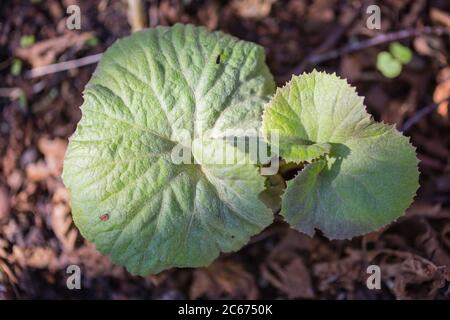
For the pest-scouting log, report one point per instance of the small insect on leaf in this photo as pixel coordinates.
(104, 217)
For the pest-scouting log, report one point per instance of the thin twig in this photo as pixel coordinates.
(375, 41)
(421, 114)
(62, 66)
(137, 15)
(329, 42)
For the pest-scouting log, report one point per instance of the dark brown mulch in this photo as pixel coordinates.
(37, 237)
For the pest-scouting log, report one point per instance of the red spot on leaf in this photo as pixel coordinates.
(104, 217)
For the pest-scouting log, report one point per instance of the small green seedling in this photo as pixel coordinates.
(92, 41)
(390, 63)
(16, 67)
(184, 88)
(27, 41)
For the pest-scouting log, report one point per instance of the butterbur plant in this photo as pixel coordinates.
(167, 87)
(358, 174)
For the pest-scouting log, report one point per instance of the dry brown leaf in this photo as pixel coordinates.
(433, 146)
(22, 202)
(429, 243)
(9, 161)
(208, 15)
(45, 52)
(223, 279)
(445, 235)
(61, 220)
(419, 279)
(443, 183)
(339, 274)
(441, 93)
(5, 205)
(171, 12)
(253, 9)
(439, 16)
(7, 270)
(421, 209)
(410, 276)
(297, 8)
(290, 277)
(37, 171)
(322, 10)
(35, 257)
(350, 67)
(377, 98)
(414, 11)
(53, 151)
(429, 162)
(431, 46)
(15, 180)
(295, 241)
(92, 262)
(284, 268)
(398, 4)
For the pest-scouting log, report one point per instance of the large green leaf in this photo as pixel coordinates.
(365, 180)
(151, 92)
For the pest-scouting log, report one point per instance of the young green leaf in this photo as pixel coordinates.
(27, 41)
(400, 52)
(388, 65)
(364, 181)
(127, 194)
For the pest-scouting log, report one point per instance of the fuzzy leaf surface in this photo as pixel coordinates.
(148, 91)
(368, 177)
